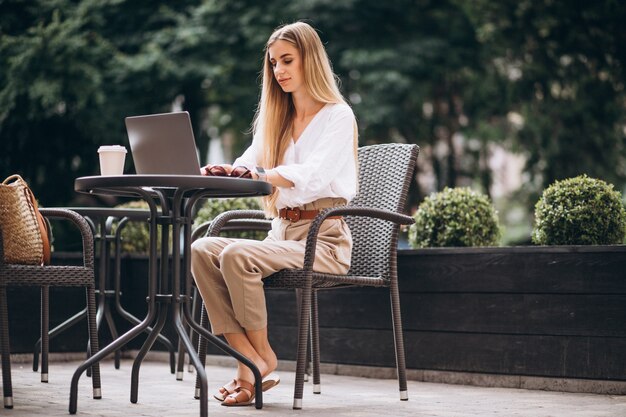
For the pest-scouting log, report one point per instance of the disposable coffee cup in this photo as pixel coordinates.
(112, 158)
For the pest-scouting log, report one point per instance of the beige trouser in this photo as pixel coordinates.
(229, 272)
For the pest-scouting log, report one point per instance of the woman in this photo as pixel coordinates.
(304, 144)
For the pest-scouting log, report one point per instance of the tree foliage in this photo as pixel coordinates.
(565, 65)
(447, 75)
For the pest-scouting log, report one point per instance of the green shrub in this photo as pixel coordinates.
(136, 234)
(455, 217)
(579, 211)
(214, 207)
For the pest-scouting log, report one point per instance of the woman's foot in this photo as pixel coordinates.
(225, 390)
(266, 365)
(243, 395)
(255, 346)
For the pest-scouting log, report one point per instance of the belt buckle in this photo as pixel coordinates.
(293, 214)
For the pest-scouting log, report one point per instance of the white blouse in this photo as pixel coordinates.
(320, 164)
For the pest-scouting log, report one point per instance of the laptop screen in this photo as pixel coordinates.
(163, 144)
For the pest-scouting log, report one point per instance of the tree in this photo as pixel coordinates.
(405, 67)
(71, 72)
(50, 84)
(566, 65)
(449, 76)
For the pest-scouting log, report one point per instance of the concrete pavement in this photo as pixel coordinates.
(161, 395)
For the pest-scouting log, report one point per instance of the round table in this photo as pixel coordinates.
(170, 199)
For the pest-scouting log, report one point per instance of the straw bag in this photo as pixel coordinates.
(24, 230)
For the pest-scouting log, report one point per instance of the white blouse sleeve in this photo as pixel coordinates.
(252, 156)
(330, 156)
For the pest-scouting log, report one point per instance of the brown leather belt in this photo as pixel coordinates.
(295, 214)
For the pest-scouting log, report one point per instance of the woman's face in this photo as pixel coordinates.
(287, 65)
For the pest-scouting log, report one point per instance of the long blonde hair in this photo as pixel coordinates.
(275, 112)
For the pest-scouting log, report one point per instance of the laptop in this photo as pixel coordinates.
(163, 144)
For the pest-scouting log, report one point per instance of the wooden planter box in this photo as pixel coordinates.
(538, 311)
(541, 311)
(557, 312)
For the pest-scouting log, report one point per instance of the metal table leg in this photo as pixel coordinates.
(118, 291)
(135, 331)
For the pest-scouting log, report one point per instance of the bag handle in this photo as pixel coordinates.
(16, 177)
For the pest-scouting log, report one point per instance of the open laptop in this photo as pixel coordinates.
(163, 144)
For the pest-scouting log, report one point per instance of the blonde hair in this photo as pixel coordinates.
(275, 113)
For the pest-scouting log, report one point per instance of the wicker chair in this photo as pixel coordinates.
(45, 277)
(374, 217)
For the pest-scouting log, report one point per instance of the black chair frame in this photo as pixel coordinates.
(13, 275)
(374, 216)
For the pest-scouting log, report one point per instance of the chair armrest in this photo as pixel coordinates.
(233, 220)
(81, 224)
(311, 239)
(200, 231)
(388, 215)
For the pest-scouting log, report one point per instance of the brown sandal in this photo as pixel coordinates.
(270, 381)
(227, 390)
(243, 395)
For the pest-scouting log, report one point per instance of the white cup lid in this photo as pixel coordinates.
(112, 148)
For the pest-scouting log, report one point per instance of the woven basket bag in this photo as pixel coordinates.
(24, 230)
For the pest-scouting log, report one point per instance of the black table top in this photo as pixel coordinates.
(123, 185)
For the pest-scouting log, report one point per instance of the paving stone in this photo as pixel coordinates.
(160, 394)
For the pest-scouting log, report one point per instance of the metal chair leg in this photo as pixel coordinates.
(5, 350)
(202, 348)
(315, 344)
(398, 336)
(305, 313)
(307, 367)
(93, 342)
(196, 309)
(76, 318)
(180, 366)
(99, 316)
(45, 323)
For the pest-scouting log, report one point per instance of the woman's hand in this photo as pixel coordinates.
(226, 167)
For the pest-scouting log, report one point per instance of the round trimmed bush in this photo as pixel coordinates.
(214, 207)
(455, 217)
(579, 211)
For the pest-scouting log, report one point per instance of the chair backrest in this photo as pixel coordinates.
(385, 174)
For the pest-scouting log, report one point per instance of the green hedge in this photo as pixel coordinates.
(214, 207)
(136, 236)
(579, 211)
(455, 217)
